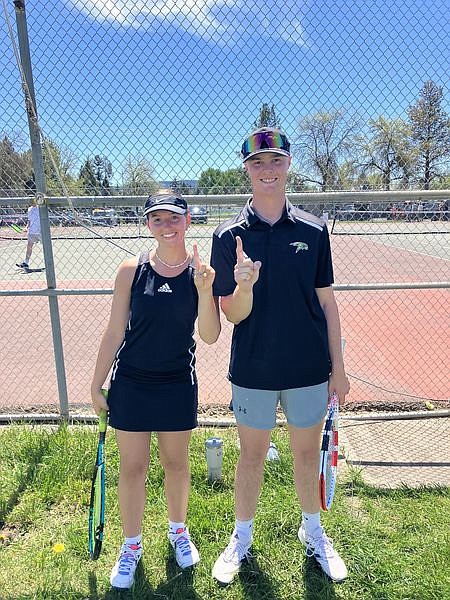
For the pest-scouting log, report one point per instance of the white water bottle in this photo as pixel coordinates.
(272, 452)
(214, 456)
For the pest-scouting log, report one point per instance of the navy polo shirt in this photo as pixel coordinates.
(283, 343)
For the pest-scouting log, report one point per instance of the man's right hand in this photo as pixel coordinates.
(246, 272)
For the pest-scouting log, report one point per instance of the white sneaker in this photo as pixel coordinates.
(229, 562)
(321, 548)
(186, 554)
(122, 574)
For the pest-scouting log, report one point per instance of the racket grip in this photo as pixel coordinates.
(102, 420)
(334, 398)
(103, 416)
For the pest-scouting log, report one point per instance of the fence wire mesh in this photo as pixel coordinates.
(132, 99)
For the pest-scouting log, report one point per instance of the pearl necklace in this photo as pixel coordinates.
(171, 266)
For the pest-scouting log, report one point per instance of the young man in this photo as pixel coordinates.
(34, 233)
(273, 276)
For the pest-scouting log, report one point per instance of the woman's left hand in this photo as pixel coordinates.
(204, 274)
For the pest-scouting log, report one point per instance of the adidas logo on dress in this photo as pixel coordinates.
(165, 288)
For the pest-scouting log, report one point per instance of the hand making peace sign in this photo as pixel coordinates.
(204, 274)
(246, 272)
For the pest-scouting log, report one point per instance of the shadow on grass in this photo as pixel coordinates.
(357, 486)
(256, 584)
(317, 585)
(180, 582)
(141, 589)
(34, 458)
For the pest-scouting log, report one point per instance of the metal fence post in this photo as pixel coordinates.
(38, 167)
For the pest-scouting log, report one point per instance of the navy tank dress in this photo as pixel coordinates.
(153, 384)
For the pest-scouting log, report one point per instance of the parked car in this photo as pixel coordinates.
(55, 219)
(396, 211)
(63, 217)
(128, 215)
(70, 218)
(10, 216)
(347, 212)
(199, 213)
(104, 216)
(432, 210)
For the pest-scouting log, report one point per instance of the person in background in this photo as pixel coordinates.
(33, 233)
(273, 277)
(149, 344)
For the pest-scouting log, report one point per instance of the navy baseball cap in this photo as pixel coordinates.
(165, 202)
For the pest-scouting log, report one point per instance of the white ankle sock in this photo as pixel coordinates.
(311, 522)
(134, 541)
(244, 530)
(174, 527)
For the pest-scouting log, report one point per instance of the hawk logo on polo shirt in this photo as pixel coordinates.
(299, 246)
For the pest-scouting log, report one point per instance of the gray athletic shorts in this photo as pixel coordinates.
(303, 407)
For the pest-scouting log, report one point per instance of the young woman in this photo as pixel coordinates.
(149, 345)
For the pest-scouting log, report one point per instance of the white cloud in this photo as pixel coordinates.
(223, 22)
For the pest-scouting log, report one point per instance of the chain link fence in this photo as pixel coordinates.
(134, 98)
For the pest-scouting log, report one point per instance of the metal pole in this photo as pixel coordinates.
(38, 167)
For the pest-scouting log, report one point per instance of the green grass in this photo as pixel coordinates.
(393, 541)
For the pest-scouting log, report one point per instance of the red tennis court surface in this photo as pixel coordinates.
(391, 342)
(397, 341)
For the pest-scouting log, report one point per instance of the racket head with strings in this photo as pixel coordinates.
(329, 455)
(97, 501)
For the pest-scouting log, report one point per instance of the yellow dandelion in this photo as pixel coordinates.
(2, 537)
(58, 548)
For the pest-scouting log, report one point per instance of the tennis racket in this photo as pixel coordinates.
(329, 454)
(97, 502)
(16, 228)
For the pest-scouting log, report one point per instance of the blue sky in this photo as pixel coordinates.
(181, 82)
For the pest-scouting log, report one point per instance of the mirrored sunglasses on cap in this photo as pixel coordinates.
(265, 141)
(165, 202)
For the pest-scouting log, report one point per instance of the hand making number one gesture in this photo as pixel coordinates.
(246, 272)
(204, 274)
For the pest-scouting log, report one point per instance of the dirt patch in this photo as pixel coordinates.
(8, 533)
(211, 411)
(356, 509)
(405, 406)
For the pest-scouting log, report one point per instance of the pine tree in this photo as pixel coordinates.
(88, 179)
(103, 174)
(430, 132)
(267, 117)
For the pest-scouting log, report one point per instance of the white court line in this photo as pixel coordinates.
(444, 246)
